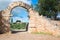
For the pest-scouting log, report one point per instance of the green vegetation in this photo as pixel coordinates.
(45, 33)
(48, 8)
(18, 25)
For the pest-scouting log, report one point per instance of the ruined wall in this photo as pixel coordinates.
(36, 23)
(42, 24)
(4, 22)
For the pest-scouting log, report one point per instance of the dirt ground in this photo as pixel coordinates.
(27, 36)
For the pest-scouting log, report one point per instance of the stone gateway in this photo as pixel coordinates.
(36, 23)
(5, 16)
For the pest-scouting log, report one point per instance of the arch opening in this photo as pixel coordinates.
(19, 20)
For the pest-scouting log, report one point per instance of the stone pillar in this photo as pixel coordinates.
(5, 25)
(32, 21)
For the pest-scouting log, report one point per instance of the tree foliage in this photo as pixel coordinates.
(48, 7)
(18, 21)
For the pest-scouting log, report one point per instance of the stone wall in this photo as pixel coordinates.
(42, 24)
(36, 23)
(4, 24)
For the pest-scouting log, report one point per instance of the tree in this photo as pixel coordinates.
(11, 20)
(48, 7)
(18, 21)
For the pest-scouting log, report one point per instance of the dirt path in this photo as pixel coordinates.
(27, 36)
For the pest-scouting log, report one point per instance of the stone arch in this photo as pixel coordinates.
(36, 23)
(20, 4)
(7, 13)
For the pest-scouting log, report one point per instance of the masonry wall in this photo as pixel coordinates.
(36, 23)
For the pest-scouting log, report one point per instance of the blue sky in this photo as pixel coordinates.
(19, 13)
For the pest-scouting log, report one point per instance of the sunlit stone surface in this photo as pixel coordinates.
(36, 23)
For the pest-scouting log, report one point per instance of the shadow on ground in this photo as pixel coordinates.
(18, 31)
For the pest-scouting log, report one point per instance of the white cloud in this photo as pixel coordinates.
(21, 19)
(25, 1)
(5, 3)
(16, 18)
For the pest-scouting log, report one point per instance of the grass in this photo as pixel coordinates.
(45, 33)
(18, 25)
